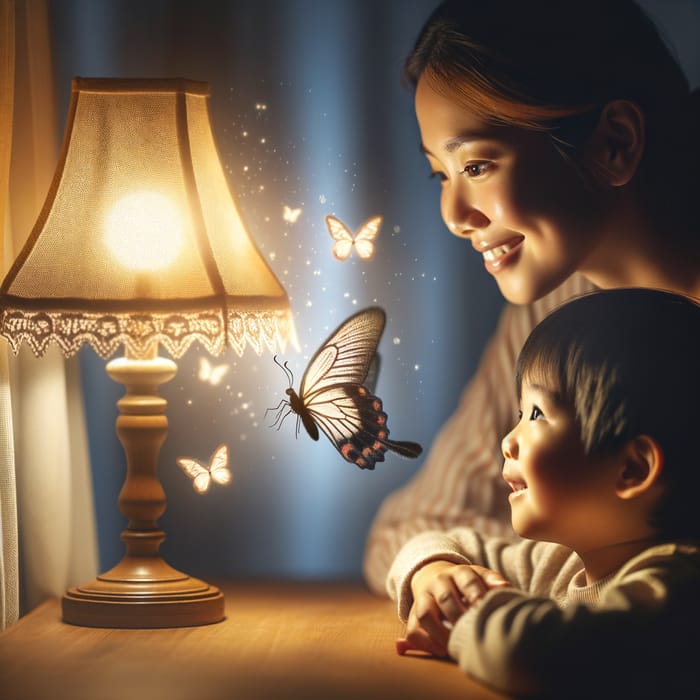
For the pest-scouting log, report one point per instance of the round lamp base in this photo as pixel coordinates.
(175, 600)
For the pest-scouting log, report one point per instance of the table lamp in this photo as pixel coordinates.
(140, 244)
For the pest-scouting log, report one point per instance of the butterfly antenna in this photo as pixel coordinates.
(285, 369)
(290, 376)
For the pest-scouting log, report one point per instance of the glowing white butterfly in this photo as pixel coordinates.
(336, 394)
(363, 240)
(291, 215)
(212, 374)
(203, 474)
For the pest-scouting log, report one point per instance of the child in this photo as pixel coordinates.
(566, 143)
(603, 597)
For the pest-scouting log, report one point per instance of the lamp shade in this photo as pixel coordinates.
(140, 241)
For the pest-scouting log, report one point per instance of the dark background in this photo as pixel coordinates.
(308, 111)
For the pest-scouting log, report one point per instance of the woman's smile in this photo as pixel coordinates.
(498, 255)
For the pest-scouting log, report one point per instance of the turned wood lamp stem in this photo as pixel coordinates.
(141, 427)
(142, 590)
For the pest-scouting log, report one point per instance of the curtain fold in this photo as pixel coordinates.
(9, 572)
(57, 539)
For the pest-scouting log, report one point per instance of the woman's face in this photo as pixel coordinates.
(510, 193)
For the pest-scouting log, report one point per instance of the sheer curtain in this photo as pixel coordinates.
(42, 409)
(9, 593)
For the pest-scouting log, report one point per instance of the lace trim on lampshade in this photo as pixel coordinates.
(137, 332)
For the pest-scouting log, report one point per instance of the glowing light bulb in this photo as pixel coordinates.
(144, 231)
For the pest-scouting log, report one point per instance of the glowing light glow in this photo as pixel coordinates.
(144, 231)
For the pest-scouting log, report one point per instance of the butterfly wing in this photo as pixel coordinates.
(345, 356)
(373, 372)
(204, 371)
(218, 469)
(342, 236)
(201, 479)
(354, 421)
(364, 239)
(217, 374)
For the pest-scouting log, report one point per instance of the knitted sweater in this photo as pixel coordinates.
(635, 634)
(460, 482)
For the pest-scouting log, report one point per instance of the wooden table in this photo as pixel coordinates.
(282, 641)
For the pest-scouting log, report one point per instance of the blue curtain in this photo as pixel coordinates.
(308, 112)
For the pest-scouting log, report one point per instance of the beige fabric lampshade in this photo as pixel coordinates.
(140, 240)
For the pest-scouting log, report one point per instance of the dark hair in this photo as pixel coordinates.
(628, 362)
(551, 66)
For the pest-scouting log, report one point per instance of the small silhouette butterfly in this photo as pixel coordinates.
(334, 395)
(291, 215)
(203, 474)
(212, 374)
(363, 240)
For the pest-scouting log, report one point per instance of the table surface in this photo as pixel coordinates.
(281, 640)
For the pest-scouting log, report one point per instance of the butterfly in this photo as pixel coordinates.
(334, 395)
(291, 215)
(203, 474)
(212, 374)
(363, 240)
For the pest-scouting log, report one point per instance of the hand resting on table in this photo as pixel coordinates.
(442, 592)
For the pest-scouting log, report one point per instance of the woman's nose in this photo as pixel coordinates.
(461, 217)
(509, 445)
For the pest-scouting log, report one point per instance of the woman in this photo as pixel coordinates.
(565, 138)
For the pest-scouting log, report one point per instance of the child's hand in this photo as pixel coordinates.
(442, 592)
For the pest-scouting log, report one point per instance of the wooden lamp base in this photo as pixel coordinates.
(138, 594)
(142, 590)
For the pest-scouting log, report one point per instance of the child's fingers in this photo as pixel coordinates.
(403, 645)
(450, 602)
(420, 644)
(492, 578)
(427, 618)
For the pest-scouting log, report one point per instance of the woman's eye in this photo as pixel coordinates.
(476, 168)
(536, 413)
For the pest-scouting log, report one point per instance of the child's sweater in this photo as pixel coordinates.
(634, 634)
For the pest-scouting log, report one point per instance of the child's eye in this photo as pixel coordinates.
(476, 168)
(536, 413)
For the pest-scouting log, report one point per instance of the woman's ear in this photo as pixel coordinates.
(616, 147)
(641, 467)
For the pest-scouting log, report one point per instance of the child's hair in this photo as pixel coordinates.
(551, 66)
(628, 362)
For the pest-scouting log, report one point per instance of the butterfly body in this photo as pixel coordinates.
(297, 406)
(333, 396)
(345, 240)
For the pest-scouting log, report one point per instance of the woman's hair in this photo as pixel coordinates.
(627, 362)
(551, 66)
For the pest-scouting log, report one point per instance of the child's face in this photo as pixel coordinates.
(559, 494)
(510, 193)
